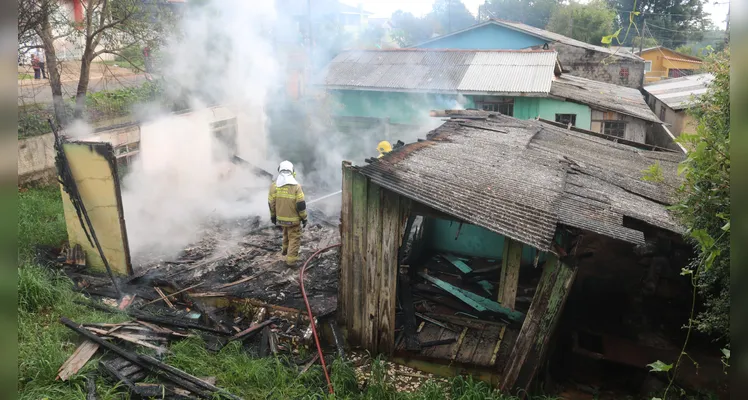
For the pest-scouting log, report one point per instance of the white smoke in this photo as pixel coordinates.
(182, 177)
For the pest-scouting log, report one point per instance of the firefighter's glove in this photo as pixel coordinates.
(273, 219)
(303, 223)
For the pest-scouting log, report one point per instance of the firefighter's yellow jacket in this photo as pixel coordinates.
(287, 204)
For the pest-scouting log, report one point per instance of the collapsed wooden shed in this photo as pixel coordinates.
(527, 195)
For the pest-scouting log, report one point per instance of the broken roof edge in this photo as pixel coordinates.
(614, 139)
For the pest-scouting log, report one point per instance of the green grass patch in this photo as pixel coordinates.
(22, 76)
(45, 295)
(40, 221)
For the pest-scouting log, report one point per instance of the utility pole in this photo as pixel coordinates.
(641, 37)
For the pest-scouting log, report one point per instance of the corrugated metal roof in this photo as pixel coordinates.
(678, 93)
(464, 71)
(523, 178)
(603, 95)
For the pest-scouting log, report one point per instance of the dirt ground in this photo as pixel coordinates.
(70, 71)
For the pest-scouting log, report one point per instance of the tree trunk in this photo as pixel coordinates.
(54, 71)
(80, 93)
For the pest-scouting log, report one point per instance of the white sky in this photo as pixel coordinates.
(385, 8)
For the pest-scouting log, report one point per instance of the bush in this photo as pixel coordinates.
(705, 206)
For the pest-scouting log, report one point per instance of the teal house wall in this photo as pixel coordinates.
(534, 107)
(488, 37)
(411, 108)
(399, 107)
(472, 241)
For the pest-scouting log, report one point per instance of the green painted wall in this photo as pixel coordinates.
(533, 107)
(411, 108)
(401, 108)
(472, 241)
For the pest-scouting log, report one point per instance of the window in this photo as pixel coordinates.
(614, 128)
(647, 66)
(623, 74)
(567, 119)
(663, 112)
(495, 104)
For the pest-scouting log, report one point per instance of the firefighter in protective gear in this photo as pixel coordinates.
(288, 209)
(383, 148)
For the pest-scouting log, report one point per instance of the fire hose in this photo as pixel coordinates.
(311, 316)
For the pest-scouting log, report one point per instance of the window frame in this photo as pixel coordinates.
(617, 122)
(647, 66)
(572, 118)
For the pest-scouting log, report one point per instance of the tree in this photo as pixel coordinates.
(452, 15)
(409, 30)
(108, 26)
(671, 22)
(704, 208)
(586, 22)
(531, 12)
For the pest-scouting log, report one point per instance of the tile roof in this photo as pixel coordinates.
(678, 93)
(523, 179)
(451, 71)
(603, 95)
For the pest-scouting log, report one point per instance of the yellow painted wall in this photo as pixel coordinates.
(662, 66)
(96, 179)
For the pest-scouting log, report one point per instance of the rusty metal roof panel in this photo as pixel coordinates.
(522, 179)
(467, 71)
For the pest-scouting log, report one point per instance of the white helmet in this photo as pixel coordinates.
(285, 166)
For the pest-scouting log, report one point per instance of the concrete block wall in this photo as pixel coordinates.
(600, 66)
(36, 159)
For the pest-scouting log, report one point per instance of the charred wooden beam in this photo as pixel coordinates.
(540, 322)
(406, 300)
(251, 330)
(133, 358)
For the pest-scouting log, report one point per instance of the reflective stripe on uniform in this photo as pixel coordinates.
(289, 219)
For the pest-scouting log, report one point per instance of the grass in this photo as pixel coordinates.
(23, 76)
(44, 295)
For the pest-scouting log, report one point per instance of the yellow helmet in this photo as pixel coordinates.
(384, 147)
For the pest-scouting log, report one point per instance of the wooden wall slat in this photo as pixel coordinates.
(509, 280)
(359, 219)
(346, 251)
(391, 221)
(372, 271)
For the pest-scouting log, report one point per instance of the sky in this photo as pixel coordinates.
(385, 8)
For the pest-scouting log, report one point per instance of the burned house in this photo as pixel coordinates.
(498, 244)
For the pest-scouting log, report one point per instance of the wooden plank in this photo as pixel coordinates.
(359, 208)
(496, 348)
(388, 276)
(510, 265)
(163, 296)
(470, 346)
(77, 360)
(372, 272)
(458, 345)
(346, 250)
(545, 310)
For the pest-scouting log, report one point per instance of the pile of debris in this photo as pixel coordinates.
(232, 285)
(448, 310)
